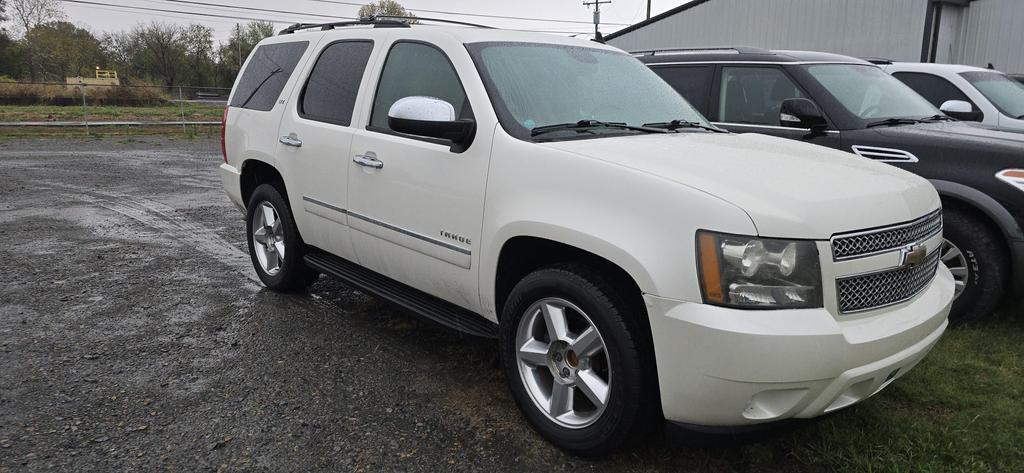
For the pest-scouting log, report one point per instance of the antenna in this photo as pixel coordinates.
(597, 15)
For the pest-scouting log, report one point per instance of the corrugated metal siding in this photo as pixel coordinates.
(884, 28)
(992, 31)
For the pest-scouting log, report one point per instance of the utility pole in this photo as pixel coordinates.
(648, 9)
(597, 15)
(238, 42)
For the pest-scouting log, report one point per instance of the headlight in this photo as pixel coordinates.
(1013, 177)
(747, 272)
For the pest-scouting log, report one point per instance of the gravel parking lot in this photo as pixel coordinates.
(134, 335)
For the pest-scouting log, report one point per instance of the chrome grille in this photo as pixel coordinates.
(871, 291)
(885, 239)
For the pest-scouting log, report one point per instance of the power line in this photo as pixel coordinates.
(221, 5)
(480, 15)
(179, 12)
(175, 16)
(251, 18)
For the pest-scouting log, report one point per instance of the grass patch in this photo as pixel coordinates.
(170, 112)
(959, 410)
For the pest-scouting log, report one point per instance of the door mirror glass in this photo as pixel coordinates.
(430, 117)
(801, 113)
(960, 110)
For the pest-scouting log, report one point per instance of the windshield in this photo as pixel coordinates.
(534, 85)
(870, 93)
(1005, 93)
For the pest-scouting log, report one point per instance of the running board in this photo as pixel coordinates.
(409, 298)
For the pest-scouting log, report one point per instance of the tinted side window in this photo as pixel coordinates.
(932, 87)
(417, 69)
(330, 92)
(692, 82)
(754, 95)
(269, 69)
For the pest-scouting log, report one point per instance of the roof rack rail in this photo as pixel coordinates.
(877, 60)
(378, 21)
(704, 50)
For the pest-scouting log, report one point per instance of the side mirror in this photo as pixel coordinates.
(802, 113)
(961, 110)
(430, 117)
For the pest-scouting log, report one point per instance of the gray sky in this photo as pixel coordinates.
(617, 14)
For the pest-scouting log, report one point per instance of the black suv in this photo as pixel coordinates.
(852, 105)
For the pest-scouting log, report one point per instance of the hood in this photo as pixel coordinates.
(959, 133)
(788, 188)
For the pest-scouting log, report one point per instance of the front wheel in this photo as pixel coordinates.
(974, 253)
(275, 247)
(578, 361)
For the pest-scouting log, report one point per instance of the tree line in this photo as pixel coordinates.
(39, 44)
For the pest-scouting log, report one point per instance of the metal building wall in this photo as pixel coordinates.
(990, 31)
(885, 28)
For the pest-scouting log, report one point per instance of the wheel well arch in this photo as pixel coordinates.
(992, 214)
(521, 255)
(256, 172)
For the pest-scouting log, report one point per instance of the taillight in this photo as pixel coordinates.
(223, 125)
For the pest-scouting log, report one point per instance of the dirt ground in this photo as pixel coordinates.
(135, 336)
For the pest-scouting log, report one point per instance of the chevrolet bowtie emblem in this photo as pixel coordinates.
(912, 255)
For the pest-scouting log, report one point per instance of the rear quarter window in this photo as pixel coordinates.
(266, 74)
(330, 92)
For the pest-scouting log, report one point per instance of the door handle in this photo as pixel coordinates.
(291, 140)
(369, 160)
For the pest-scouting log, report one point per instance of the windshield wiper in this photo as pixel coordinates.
(893, 122)
(587, 124)
(677, 124)
(945, 118)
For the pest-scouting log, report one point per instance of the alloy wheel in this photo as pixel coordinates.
(268, 238)
(955, 260)
(563, 362)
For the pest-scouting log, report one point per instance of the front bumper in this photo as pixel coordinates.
(729, 367)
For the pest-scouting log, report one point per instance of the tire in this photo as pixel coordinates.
(625, 360)
(280, 238)
(975, 254)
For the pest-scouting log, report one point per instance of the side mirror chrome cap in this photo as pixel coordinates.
(961, 110)
(432, 118)
(428, 109)
(955, 106)
(801, 113)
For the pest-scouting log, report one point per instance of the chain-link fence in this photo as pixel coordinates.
(91, 105)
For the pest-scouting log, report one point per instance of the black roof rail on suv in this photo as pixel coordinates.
(378, 21)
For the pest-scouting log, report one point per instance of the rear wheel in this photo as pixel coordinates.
(974, 253)
(578, 362)
(274, 244)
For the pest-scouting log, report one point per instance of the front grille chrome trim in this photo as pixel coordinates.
(864, 243)
(885, 288)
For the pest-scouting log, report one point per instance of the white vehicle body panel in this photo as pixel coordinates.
(438, 221)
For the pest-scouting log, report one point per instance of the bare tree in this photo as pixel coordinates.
(163, 50)
(28, 14)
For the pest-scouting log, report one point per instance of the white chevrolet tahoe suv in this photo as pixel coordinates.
(635, 263)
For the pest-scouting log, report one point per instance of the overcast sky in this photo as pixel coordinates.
(613, 16)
